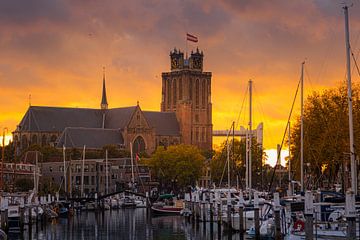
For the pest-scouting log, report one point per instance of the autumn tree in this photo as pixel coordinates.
(326, 135)
(179, 165)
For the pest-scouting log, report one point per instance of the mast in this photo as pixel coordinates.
(106, 171)
(247, 158)
(228, 162)
(36, 173)
(132, 167)
(351, 126)
(65, 177)
(250, 132)
(289, 166)
(302, 128)
(82, 173)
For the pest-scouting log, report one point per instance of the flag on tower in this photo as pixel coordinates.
(191, 38)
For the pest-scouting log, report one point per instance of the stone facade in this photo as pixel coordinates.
(185, 117)
(186, 90)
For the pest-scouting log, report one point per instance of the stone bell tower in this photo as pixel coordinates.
(186, 90)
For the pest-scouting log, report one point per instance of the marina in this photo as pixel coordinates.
(128, 173)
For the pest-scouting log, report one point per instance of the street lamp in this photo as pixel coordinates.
(5, 129)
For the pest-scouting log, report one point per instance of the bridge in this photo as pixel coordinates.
(256, 133)
(99, 198)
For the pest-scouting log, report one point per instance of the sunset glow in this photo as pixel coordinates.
(56, 54)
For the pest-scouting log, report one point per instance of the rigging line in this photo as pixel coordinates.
(226, 143)
(242, 107)
(308, 76)
(261, 111)
(356, 65)
(282, 141)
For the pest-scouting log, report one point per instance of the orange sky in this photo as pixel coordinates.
(55, 50)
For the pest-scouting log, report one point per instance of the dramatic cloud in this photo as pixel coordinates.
(55, 51)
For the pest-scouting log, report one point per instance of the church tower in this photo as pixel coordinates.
(186, 90)
(104, 103)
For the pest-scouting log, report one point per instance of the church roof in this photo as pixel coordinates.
(56, 119)
(118, 118)
(93, 138)
(165, 123)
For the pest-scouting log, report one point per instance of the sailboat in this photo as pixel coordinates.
(335, 227)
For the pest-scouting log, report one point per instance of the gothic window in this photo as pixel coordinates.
(43, 140)
(197, 134)
(139, 145)
(203, 92)
(197, 93)
(53, 138)
(209, 91)
(174, 92)
(180, 89)
(168, 92)
(24, 142)
(190, 89)
(34, 139)
(196, 118)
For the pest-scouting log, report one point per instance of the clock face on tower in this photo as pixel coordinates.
(174, 63)
(197, 63)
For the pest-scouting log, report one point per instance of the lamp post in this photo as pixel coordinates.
(5, 129)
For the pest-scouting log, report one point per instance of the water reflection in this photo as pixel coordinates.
(127, 224)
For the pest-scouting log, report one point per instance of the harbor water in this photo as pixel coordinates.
(124, 224)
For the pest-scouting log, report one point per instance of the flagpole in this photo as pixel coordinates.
(186, 46)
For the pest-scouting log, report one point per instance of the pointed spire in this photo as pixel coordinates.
(104, 103)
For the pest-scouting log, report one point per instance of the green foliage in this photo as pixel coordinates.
(237, 162)
(9, 152)
(47, 186)
(115, 152)
(326, 134)
(23, 185)
(179, 164)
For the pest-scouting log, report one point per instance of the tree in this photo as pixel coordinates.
(326, 135)
(179, 165)
(48, 186)
(23, 185)
(237, 162)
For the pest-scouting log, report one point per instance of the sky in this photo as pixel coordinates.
(55, 51)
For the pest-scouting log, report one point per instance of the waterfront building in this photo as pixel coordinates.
(185, 116)
(119, 175)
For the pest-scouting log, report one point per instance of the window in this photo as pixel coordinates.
(139, 145)
(196, 118)
(34, 139)
(190, 89)
(53, 138)
(43, 140)
(86, 180)
(50, 169)
(92, 180)
(180, 89)
(203, 92)
(168, 92)
(174, 92)
(86, 167)
(24, 142)
(197, 93)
